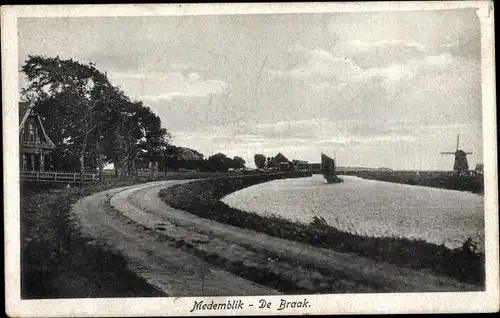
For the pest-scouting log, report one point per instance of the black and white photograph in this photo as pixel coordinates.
(235, 159)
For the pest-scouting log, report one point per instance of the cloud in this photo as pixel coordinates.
(350, 139)
(439, 60)
(323, 64)
(155, 86)
(376, 85)
(379, 39)
(380, 54)
(410, 69)
(369, 54)
(313, 131)
(392, 44)
(311, 65)
(324, 70)
(301, 139)
(436, 89)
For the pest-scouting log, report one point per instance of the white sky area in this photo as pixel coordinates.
(382, 89)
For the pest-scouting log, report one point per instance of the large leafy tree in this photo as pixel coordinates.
(87, 116)
(181, 157)
(219, 162)
(238, 162)
(65, 93)
(155, 138)
(260, 161)
(118, 131)
(297, 162)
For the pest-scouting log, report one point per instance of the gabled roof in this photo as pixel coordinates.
(189, 154)
(25, 110)
(281, 158)
(49, 141)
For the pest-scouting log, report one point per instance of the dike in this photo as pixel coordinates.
(202, 198)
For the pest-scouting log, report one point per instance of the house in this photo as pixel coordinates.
(184, 153)
(278, 161)
(34, 144)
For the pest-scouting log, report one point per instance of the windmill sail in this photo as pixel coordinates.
(460, 164)
(328, 168)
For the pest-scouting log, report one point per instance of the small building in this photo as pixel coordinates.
(34, 144)
(315, 166)
(285, 166)
(480, 168)
(278, 160)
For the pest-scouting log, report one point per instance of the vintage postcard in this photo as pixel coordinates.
(250, 159)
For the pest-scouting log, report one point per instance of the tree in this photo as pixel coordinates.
(85, 115)
(182, 157)
(116, 129)
(239, 163)
(219, 162)
(269, 162)
(156, 138)
(66, 91)
(260, 161)
(296, 162)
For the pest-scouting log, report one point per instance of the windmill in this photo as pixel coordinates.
(461, 163)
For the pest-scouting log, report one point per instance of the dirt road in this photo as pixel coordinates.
(184, 255)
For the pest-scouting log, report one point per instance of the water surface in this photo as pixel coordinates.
(370, 207)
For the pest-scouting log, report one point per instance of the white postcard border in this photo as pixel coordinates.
(178, 306)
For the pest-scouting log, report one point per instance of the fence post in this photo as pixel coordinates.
(37, 176)
(74, 177)
(55, 176)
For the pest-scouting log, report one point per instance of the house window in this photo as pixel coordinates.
(31, 132)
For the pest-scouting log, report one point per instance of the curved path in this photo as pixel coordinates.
(185, 255)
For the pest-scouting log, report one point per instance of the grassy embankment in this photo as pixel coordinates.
(473, 184)
(57, 261)
(202, 198)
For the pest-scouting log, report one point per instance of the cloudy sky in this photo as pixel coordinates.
(379, 89)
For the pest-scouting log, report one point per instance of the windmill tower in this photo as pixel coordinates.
(460, 164)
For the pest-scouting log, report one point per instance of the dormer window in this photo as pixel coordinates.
(31, 132)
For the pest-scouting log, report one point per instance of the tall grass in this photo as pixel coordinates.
(202, 198)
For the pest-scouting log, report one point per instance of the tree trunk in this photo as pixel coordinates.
(82, 163)
(99, 162)
(117, 170)
(118, 151)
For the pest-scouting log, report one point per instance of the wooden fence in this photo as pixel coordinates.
(137, 173)
(57, 176)
(74, 177)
